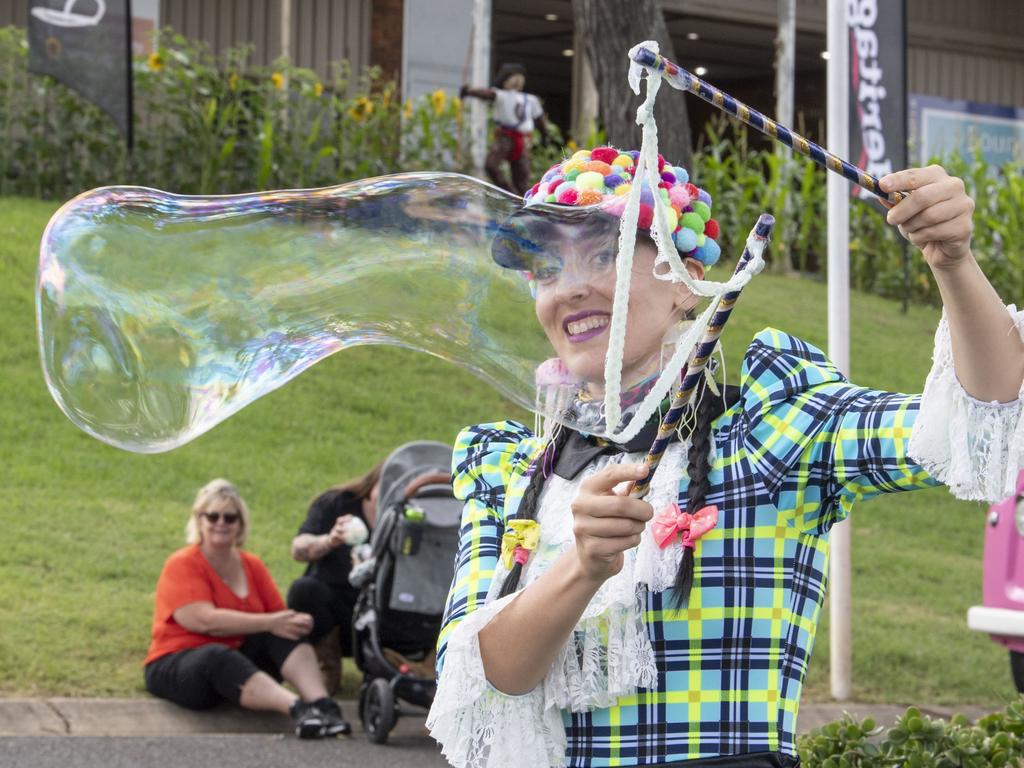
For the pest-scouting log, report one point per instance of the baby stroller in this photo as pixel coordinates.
(404, 584)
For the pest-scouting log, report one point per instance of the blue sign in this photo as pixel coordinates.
(946, 127)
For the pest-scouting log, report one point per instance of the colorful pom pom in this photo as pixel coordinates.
(681, 174)
(691, 190)
(597, 166)
(612, 180)
(623, 189)
(672, 218)
(604, 154)
(685, 240)
(571, 175)
(709, 252)
(623, 161)
(668, 177)
(589, 197)
(646, 216)
(704, 197)
(589, 180)
(702, 210)
(711, 228)
(693, 221)
(568, 196)
(581, 154)
(678, 196)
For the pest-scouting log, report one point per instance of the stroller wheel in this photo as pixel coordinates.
(378, 710)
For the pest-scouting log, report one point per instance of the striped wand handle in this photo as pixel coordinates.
(687, 81)
(695, 367)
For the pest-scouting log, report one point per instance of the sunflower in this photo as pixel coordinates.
(361, 110)
(156, 61)
(278, 80)
(439, 99)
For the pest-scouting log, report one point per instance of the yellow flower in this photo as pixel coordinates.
(407, 109)
(233, 81)
(570, 144)
(457, 107)
(385, 98)
(361, 110)
(278, 80)
(439, 99)
(318, 90)
(156, 61)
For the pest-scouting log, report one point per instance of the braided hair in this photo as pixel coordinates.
(528, 506)
(698, 469)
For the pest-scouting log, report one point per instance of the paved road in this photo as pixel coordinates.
(407, 748)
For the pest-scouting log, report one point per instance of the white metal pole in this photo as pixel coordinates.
(481, 78)
(838, 39)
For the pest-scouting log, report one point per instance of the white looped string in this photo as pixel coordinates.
(647, 170)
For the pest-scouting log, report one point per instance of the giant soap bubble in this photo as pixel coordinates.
(160, 315)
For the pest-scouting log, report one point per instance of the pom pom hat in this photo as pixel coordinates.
(603, 177)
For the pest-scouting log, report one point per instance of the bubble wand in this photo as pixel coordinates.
(680, 78)
(699, 359)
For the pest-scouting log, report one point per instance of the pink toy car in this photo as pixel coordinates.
(1002, 615)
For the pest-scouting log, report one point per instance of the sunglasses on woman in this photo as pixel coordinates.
(230, 518)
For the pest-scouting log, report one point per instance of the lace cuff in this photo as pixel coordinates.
(607, 656)
(477, 725)
(974, 448)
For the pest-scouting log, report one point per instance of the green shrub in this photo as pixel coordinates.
(918, 741)
(213, 125)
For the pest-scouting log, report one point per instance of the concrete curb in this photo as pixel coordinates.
(155, 717)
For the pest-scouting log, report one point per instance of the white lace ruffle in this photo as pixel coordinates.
(609, 654)
(477, 725)
(974, 448)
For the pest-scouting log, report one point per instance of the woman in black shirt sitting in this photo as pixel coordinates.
(339, 519)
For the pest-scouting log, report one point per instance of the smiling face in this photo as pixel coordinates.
(220, 524)
(575, 295)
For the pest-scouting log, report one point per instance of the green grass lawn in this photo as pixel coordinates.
(86, 527)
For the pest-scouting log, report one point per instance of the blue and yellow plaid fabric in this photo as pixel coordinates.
(792, 456)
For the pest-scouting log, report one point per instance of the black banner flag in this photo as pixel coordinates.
(86, 44)
(878, 90)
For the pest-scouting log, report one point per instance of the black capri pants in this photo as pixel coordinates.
(201, 678)
(330, 606)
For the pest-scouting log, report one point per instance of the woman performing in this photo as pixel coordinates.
(585, 627)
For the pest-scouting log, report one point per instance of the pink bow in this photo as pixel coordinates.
(672, 521)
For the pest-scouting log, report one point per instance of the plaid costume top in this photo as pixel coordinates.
(790, 459)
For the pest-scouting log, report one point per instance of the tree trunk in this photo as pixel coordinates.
(610, 28)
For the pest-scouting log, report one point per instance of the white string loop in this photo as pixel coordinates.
(647, 170)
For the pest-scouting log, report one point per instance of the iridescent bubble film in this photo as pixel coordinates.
(160, 315)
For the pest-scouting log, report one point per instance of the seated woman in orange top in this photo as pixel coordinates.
(221, 631)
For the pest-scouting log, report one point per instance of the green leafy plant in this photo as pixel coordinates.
(919, 741)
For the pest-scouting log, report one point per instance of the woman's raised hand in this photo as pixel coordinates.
(607, 523)
(291, 625)
(937, 217)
